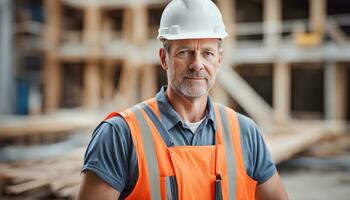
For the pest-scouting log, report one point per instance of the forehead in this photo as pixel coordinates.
(195, 43)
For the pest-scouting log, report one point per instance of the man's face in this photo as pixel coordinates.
(191, 65)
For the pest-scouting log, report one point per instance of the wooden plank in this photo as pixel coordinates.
(240, 90)
(281, 92)
(47, 124)
(65, 181)
(27, 186)
(337, 34)
(69, 192)
(284, 146)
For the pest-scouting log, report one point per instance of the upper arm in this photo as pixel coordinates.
(271, 189)
(257, 158)
(111, 157)
(92, 187)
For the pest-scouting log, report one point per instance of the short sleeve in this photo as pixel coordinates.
(110, 154)
(257, 158)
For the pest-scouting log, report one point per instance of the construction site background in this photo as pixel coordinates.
(66, 64)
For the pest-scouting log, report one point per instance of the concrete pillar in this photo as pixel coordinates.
(7, 83)
(272, 23)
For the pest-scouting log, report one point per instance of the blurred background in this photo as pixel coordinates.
(66, 64)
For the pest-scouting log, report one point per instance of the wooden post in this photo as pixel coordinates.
(272, 23)
(92, 77)
(107, 80)
(52, 71)
(139, 24)
(149, 82)
(318, 16)
(281, 92)
(128, 88)
(335, 91)
(228, 10)
(135, 30)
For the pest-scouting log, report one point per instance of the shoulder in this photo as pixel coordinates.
(110, 129)
(257, 158)
(110, 152)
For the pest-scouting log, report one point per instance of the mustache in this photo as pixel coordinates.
(195, 74)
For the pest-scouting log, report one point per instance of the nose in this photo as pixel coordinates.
(197, 63)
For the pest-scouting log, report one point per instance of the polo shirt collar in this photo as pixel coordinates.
(171, 118)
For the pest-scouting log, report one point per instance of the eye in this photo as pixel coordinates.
(208, 53)
(184, 53)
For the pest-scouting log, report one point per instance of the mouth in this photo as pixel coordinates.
(194, 78)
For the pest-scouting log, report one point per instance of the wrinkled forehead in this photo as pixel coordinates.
(195, 43)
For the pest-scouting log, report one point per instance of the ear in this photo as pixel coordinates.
(221, 54)
(163, 58)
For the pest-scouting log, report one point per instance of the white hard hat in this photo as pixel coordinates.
(190, 19)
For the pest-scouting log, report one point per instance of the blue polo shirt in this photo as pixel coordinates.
(111, 153)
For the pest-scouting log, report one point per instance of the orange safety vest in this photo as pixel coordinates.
(202, 172)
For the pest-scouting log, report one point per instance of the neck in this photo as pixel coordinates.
(190, 109)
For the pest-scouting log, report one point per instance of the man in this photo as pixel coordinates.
(181, 145)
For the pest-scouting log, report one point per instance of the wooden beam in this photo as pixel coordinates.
(128, 89)
(240, 90)
(228, 11)
(46, 124)
(92, 75)
(272, 23)
(149, 82)
(139, 24)
(220, 95)
(27, 186)
(296, 137)
(108, 73)
(52, 71)
(318, 15)
(281, 92)
(336, 83)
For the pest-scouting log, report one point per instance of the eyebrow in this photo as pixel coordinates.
(189, 47)
(182, 47)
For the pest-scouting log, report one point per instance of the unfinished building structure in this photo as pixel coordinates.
(286, 64)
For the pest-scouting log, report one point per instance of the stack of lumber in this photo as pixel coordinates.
(57, 177)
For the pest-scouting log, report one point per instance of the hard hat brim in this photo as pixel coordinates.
(192, 36)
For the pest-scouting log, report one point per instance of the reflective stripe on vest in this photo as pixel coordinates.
(145, 127)
(150, 153)
(229, 152)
